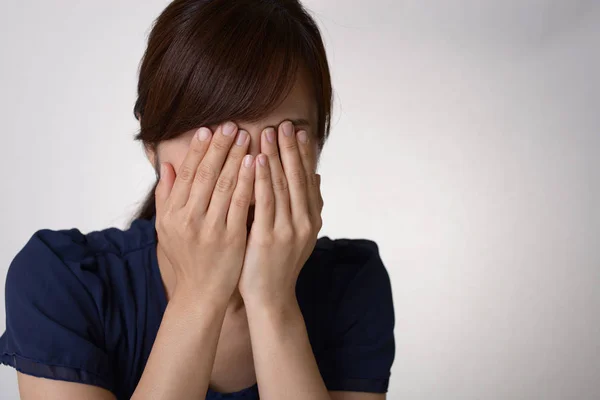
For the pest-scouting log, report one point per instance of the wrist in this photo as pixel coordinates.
(192, 301)
(279, 319)
(279, 305)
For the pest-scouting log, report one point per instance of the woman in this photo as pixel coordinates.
(220, 288)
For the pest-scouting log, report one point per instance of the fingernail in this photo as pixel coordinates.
(248, 160)
(203, 134)
(270, 132)
(241, 139)
(263, 160)
(303, 137)
(229, 128)
(288, 128)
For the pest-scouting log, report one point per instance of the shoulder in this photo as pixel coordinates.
(349, 291)
(57, 270)
(59, 256)
(337, 264)
(345, 282)
(63, 288)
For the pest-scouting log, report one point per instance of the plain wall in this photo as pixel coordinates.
(465, 142)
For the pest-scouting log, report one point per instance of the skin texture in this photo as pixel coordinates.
(253, 288)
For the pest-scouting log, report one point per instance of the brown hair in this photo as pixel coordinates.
(210, 61)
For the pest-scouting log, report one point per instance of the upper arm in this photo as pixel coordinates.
(335, 395)
(54, 328)
(33, 388)
(360, 349)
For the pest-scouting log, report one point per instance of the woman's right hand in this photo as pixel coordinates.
(201, 212)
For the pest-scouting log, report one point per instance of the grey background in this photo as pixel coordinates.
(465, 142)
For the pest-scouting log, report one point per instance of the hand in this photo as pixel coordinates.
(201, 213)
(287, 217)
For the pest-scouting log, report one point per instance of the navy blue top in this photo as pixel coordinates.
(87, 307)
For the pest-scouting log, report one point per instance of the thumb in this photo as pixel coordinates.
(164, 186)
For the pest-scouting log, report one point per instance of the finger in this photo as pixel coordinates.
(221, 195)
(268, 146)
(294, 170)
(264, 210)
(185, 176)
(210, 167)
(242, 195)
(308, 156)
(164, 187)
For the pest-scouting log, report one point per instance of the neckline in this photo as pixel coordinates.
(162, 298)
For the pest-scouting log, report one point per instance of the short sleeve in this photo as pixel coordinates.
(53, 324)
(361, 346)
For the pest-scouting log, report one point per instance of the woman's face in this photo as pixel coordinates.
(298, 106)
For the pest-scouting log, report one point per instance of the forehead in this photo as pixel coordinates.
(298, 105)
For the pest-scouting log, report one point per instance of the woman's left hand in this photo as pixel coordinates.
(287, 217)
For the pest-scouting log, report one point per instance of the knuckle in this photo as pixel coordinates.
(235, 157)
(210, 230)
(235, 235)
(246, 177)
(304, 152)
(289, 145)
(286, 234)
(186, 173)
(271, 153)
(266, 203)
(313, 180)
(210, 238)
(225, 184)
(160, 225)
(187, 225)
(280, 184)
(305, 228)
(206, 173)
(242, 200)
(265, 240)
(229, 238)
(263, 177)
(220, 145)
(196, 147)
(298, 176)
